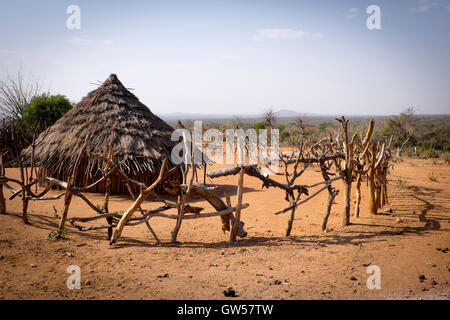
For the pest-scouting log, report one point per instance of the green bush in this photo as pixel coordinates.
(323, 126)
(45, 110)
(430, 152)
(259, 126)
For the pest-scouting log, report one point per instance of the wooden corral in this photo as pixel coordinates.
(347, 160)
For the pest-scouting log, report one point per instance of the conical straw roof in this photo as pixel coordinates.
(109, 116)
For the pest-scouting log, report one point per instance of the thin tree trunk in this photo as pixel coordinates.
(348, 150)
(384, 190)
(67, 200)
(348, 183)
(24, 207)
(183, 199)
(237, 219)
(347, 197)
(24, 194)
(292, 215)
(204, 174)
(332, 194)
(372, 202)
(2, 197)
(358, 195)
(109, 220)
(106, 169)
(2, 201)
(378, 195)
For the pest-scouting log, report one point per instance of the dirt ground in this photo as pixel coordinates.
(266, 265)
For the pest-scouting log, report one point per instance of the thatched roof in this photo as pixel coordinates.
(179, 125)
(108, 116)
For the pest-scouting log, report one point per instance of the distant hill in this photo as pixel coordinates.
(288, 114)
(284, 113)
(193, 116)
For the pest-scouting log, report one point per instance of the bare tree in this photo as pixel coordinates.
(403, 128)
(269, 118)
(15, 94)
(300, 126)
(238, 122)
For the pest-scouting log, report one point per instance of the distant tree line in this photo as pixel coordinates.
(415, 135)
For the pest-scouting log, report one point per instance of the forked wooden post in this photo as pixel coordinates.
(384, 194)
(371, 180)
(68, 194)
(2, 197)
(149, 227)
(364, 158)
(67, 199)
(2, 201)
(348, 171)
(24, 193)
(204, 172)
(183, 197)
(292, 215)
(237, 219)
(348, 184)
(106, 168)
(332, 193)
(331, 196)
(358, 194)
(137, 203)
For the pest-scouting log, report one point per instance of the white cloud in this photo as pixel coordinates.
(318, 35)
(7, 51)
(222, 56)
(262, 34)
(425, 6)
(86, 42)
(352, 12)
(420, 9)
(17, 53)
(279, 34)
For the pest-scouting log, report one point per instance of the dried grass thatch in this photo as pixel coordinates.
(110, 116)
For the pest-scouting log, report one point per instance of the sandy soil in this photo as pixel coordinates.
(265, 265)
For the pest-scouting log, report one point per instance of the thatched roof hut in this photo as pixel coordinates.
(110, 116)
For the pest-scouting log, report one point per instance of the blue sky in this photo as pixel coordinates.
(239, 57)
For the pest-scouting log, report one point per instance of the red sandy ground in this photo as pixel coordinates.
(265, 265)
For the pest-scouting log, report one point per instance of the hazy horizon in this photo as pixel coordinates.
(239, 57)
(306, 114)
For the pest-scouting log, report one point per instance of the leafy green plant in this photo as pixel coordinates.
(323, 126)
(259, 126)
(430, 152)
(45, 110)
(401, 183)
(56, 234)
